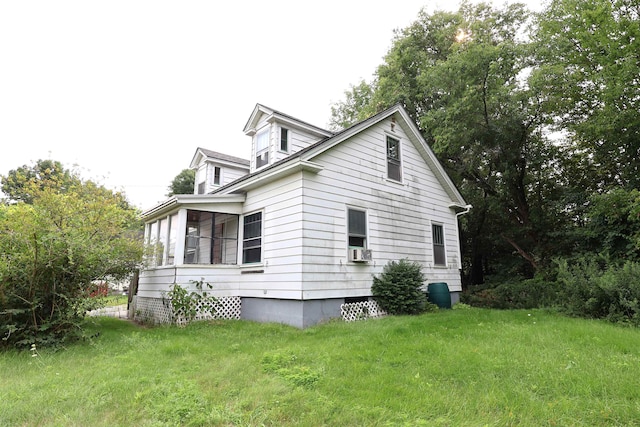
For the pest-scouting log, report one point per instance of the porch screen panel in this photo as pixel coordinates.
(173, 231)
(150, 256)
(162, 241)
(206, 231)
(225, 239)
(211, 238)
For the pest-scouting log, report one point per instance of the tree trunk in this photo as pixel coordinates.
(521, 251)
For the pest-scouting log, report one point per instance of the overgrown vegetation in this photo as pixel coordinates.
(398, 289)
(536, 119)
(470, 367)
(591, 288)
(60, 236)
(187, 306)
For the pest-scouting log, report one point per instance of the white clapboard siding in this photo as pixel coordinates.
(280, 202)
(155, 283)
(304, 239)
(227, 174)
(230, 174)
(299, 139)
(399, 215)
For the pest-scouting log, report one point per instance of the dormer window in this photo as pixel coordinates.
(262, 149)
(216, 175)
(284, 140)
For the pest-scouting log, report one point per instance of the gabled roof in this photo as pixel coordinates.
(302, 160)
(273, 115)
(220, 157)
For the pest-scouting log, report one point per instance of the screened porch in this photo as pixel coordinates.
(191, 236)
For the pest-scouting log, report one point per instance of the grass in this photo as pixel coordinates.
(450, 368)
(115, 300)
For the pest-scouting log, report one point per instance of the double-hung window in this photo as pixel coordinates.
(284, 140)
(252, 238)
(216, 175)
(437, 232)
(357, 228)
(262, 149)
(393, 159)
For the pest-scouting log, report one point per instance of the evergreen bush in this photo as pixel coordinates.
(398, 289)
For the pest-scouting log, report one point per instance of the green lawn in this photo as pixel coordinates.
(449, 368)
(115, 300)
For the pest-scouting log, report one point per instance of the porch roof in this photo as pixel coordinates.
(225, 203)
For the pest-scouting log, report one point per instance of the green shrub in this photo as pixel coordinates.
(593, 289)
(187, 306)
(52, 252)
(514, 294)
(398, 289)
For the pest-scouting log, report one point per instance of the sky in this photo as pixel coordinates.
(125, 91)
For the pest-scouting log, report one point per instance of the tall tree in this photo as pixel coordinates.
(354, 108)
(462, 76)
(183, 183)
(19, 184)
(589, 78)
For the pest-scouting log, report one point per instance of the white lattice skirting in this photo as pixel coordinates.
(361, 311)
(158, 310)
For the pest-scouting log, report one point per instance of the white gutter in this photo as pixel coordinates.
(466, 210)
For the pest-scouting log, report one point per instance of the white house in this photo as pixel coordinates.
(304, 225)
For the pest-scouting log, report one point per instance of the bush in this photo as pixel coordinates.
(52, 252)
(514, 294)
(188, 306)
(594, 289)
(398, 289)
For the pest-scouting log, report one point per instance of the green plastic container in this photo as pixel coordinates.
(438, 294)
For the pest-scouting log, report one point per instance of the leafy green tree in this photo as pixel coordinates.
(354, 108)
(52, 251)
(462, 76)
(612, 228)
(19, 184)
(588, 78)
(183, 183)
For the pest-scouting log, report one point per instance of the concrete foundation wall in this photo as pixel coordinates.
(300, 314)
(455, 298)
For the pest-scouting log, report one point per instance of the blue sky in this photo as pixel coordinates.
(127, 90)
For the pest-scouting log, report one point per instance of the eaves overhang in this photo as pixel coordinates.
(273, 116)
(272, 174)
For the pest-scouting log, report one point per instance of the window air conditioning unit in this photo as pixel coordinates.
(359, 255)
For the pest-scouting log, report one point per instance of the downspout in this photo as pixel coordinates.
(466, 210)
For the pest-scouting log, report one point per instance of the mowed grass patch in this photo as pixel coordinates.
(453, 367)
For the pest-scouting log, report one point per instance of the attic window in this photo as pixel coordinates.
(284, 140)
(216, 175)
(393, 159)
(262, 149)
